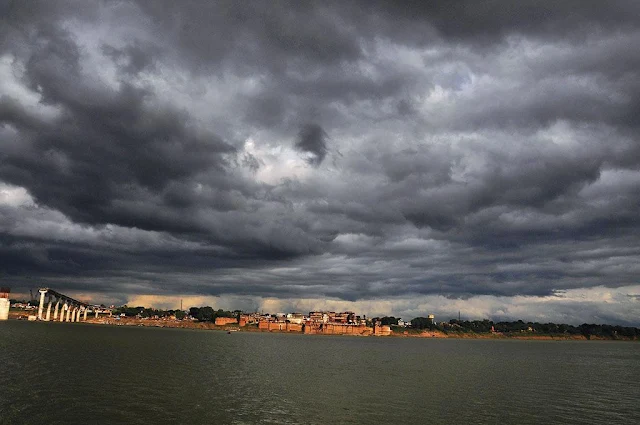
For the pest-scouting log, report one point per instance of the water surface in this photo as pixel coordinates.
(63, 373)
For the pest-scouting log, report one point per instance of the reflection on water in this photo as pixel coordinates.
(77, 373)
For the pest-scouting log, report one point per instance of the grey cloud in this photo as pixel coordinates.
(304, 31)
(266, 111)
(312, 140)
(489, 22)
(133, 58)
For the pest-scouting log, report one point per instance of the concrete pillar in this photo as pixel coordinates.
(5, 304)
(86, 309)
(96, 310)
(55, 309)
(67, 319)
(48, 316)
(41, 306)
(63, 309)
(74, 314)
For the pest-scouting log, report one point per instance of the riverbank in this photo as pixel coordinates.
(189, 324)
(495, 335)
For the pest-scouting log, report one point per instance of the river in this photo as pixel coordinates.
(63, 373)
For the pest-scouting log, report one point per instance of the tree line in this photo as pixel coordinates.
(146, 312)
(208, 314)
(519, 326)
(201, 314)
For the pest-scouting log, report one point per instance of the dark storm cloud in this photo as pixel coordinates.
(312, 140)
(361, 150)
(269, 33)
(110, 141)
(491, 21)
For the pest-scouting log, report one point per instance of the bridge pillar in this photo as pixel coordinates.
(62, 311)
(74, 314)
(55, 309)
(68, 318)
(48, 316)
(86, 309)
(41, 306)
(5, 305)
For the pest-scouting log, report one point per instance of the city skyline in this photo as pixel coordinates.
(393, 159)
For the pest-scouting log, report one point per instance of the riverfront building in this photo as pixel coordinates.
(222, 321)
(322, 322)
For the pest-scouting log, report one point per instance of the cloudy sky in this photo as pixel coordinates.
(385, 158)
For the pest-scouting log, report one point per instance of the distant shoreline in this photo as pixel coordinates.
(188, 324)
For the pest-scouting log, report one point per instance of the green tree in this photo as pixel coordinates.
(206, 314)
(389, 320)
(420, 323)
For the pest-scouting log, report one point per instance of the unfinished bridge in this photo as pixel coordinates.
(65, 308)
